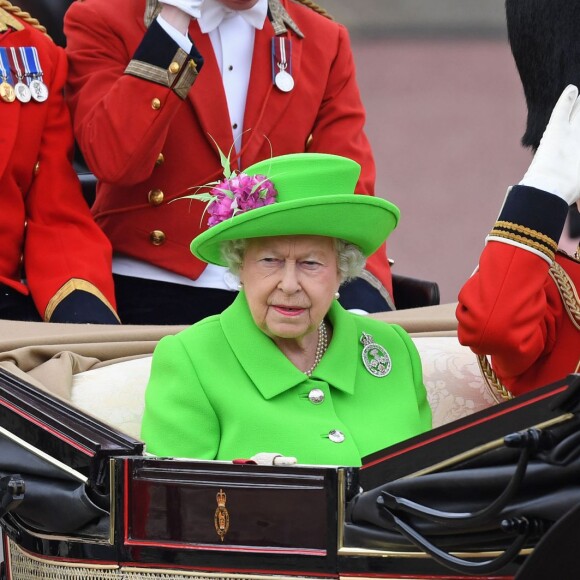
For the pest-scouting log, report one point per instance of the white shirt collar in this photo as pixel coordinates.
(213, 12)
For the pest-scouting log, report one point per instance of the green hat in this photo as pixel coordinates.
(315, 196)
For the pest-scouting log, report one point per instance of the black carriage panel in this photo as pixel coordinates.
(211, 513)
(53, 427)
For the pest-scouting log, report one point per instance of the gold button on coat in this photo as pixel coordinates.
(160, 159)
(155, 197)
(174, 68)
(157, 237)
(37, 168)
(156, 104)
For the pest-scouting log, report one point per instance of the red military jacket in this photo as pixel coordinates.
(522, 306)
(45, 223)
(148, 138)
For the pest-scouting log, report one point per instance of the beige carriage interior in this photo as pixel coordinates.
(104, 370)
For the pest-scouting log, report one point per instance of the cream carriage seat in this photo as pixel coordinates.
(455, 385)
(104, 370)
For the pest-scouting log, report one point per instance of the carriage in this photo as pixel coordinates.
(479, 495)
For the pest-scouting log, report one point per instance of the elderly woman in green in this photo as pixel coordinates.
(286, 369)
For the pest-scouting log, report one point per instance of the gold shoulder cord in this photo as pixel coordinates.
(25, 16)
(315, 7)
(571, 300)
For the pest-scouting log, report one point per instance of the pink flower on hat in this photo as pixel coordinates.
(239, 194)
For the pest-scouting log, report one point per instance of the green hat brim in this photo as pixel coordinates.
(360, 219)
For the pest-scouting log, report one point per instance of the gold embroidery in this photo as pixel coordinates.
(152, 9)
(528, 232)
(571, 300)
(7, 20)
(568, 293)
(280, 18)
(68, 288)
(525, 241)
(498, 390)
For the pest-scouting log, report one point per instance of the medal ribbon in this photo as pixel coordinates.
(5, 67)
(31, 62)
(281, 56)
(15, 65)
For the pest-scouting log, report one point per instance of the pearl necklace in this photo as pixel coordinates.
(320, 347)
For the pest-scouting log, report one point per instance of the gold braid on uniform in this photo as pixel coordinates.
(15, 11)
(568, 293)
(497, 388)
(315, 7)
(571, 300)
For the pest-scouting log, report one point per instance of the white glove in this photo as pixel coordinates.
(556, 164)
(273, 459)
(191, 7)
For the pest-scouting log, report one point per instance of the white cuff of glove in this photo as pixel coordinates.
(273, 459)
(191, 7)
(556, 164)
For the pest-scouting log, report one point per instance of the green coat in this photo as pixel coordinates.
(222, 389)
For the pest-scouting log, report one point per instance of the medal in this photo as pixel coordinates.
(6, 89)
(284, 81)
(38, 90)
(375, 357)
(282, 64)
(21, 89)
(7, 92)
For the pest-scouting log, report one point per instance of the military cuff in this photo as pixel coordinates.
(80, 302)
(531, 219)
(160, 60)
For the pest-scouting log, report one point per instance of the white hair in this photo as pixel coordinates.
(350, 259)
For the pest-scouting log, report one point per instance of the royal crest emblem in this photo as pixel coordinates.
(375, 357)
(221, 517)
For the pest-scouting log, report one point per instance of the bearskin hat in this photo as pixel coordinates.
(544, 36)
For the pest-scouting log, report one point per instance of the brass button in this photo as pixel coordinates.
(316, 396)
(157, 237)
(156, 104)
(174, 68)
(155, 197)
(192, 64)
(37, 168)
(160, 159)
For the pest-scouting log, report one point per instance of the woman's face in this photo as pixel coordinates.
(289, 283)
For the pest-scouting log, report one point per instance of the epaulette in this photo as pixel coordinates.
(12, 17)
